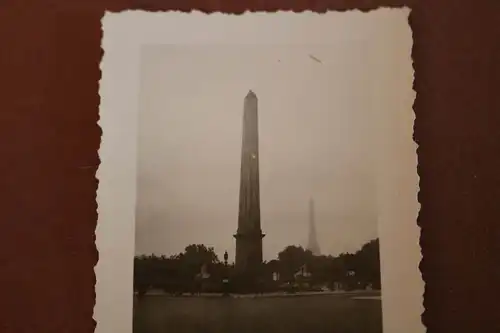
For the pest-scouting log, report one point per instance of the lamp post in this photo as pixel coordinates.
(225, 281)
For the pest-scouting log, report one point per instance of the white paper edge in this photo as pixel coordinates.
(126, 32)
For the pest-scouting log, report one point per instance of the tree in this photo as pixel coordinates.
(367, 263)
(319, 267)
(291, 259)
(199, 254)
(359, 269)
(272, 266)
(194, 257)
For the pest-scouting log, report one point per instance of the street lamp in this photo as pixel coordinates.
(225, 281)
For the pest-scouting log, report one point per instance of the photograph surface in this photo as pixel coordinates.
(260, 199)
(256, 178)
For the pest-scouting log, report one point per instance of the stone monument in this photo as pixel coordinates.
(248, 262)
(313, 244)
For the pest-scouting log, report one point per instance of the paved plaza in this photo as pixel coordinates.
(318, 313)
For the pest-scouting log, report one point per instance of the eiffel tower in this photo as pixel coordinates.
(312, 245)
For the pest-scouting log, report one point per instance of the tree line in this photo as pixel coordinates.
(182, 272)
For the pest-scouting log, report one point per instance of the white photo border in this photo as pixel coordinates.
(124, 35)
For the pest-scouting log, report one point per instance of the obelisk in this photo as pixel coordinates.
(249, 234)
(313, 244)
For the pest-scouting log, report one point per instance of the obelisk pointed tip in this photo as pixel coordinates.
(251, 94)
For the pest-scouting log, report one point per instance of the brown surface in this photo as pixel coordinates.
(49, 57)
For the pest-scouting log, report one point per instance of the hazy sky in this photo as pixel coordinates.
(315, 141)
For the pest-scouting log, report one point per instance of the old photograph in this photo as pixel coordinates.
(255, 182)
(259, 193)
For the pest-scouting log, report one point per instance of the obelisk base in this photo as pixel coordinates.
(249, 269)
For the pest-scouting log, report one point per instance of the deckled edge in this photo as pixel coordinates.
(366, 9)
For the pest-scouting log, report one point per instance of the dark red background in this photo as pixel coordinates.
(49, 71)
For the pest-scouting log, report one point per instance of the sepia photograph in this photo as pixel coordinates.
(259, 201)
(255, 182)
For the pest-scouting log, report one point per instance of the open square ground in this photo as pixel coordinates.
(332, 313)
